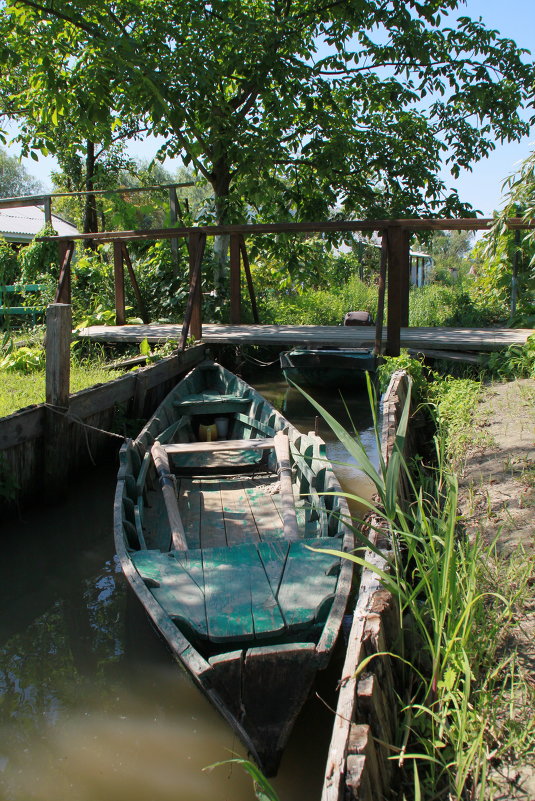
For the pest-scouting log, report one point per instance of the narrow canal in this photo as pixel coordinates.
(92, 707)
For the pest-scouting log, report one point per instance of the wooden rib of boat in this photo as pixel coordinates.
(218, 500)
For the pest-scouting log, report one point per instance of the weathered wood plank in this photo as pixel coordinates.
(169, 492)
(228, 593)
(240, 521)
(264, 508)
(273, 556)
(289, 519)
(462, 339)
(220, 445)
(179, 580)
(308, 583)
(212, 526)
(189, 504)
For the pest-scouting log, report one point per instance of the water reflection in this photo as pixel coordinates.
(93, 707)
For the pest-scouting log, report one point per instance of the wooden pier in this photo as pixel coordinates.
(482, 340)
(394, 273)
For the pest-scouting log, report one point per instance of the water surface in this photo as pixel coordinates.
(92, 705)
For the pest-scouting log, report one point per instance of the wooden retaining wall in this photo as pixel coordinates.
(37, 456)
(358, 764)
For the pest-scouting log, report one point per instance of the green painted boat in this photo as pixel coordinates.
(218, 501)
(328, 367)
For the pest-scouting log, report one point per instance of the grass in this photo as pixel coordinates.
(458, 721)
(25, 389)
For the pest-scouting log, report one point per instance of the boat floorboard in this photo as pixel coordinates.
(226, 511)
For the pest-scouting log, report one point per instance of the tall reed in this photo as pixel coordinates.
(434, 573)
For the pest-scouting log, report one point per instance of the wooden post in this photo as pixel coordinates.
(58, 353)
(235, 280)
(248, 276)
(405, 272)
(196, 245)
(63, 292)
(192, 316)
(381, 295)
(47, 204)
(393, 314)
(135, 285)
(118, 271)
(173, 216)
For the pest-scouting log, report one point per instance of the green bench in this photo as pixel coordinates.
(18, 289)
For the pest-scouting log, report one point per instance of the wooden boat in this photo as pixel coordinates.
(217, 501)
(327, 367)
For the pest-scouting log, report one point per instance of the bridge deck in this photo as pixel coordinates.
(452, 339)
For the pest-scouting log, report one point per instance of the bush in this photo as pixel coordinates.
(9, 269)
(441, 305)
(39, 260)
(318, 307)
(518, 361)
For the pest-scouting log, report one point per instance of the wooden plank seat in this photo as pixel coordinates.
(219, 453)
(211, 403)
(260, 443)
(254, 592)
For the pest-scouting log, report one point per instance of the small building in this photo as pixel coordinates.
(20, 224)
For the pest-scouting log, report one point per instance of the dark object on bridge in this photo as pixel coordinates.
(217, 500)
(358, 318)
(328, 367)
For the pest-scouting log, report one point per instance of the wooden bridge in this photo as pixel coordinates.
(445, 341)
(394, 272)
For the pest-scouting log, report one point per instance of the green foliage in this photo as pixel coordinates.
(455, 400)
(163, 283)
(21, 389)
(92, 282)
(14, 180)
(9, 268)
(491, 286)
(23, 360)
(441, 305)
(451, 626)
(238, 91)
(317, 307)
(264, 791)
(517, 361)
(450, 251)
(412, 366)
(40, 259)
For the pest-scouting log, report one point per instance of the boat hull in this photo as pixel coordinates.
(244, 594)
(328, 368)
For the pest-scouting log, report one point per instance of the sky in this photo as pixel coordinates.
(482, 187)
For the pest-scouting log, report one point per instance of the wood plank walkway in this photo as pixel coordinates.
(452, 339)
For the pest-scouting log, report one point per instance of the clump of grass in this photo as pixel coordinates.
(20, 389)
(456, 622)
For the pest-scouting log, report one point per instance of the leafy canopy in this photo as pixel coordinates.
(297, 105)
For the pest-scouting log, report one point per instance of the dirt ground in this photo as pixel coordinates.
(497, 493)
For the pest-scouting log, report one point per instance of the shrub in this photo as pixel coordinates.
(40, 259)
(9, 270)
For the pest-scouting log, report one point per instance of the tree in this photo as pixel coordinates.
(506, 259)
(14, 180)
(288, 108)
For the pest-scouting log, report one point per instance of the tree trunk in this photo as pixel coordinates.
(220, 180)
(90, 206)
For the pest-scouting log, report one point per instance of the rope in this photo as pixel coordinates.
(249, 358)
(72, 418)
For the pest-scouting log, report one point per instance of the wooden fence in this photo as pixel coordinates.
(42, 446)
(359, 767)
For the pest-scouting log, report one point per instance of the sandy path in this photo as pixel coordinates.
(497, 501)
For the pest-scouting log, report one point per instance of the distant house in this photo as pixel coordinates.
(20, 224)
